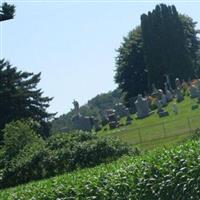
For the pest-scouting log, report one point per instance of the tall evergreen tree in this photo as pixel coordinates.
(165, 45)
(131, 74)
(7, 12)
(20, 98)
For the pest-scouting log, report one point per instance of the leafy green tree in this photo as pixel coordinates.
(131, 74)
(192, 41)
(20, 98)
(7, 12)
(17, 135)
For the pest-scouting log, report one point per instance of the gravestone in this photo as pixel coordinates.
(121, 110)
(142, 107)
(128, 117)
(168, 93)
(179, 95)
(178, 83)
(80, 122)
(193, 91)
(198, 97)
(84, 123)
(160, 110)
(162, 97)
(163, 113)
(178, 91)
(168, 82)
(112, 117)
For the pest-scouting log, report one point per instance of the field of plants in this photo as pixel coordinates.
(164, 174)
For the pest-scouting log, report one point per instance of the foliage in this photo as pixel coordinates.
(165, 45)
(163, 174)
(17, 135)
(131, 74)
(7, 11)
(25, 156)
(20, 98)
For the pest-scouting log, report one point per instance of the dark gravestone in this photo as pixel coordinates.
(163, 113)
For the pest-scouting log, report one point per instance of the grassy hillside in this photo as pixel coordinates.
(154, 130)
(163, 174)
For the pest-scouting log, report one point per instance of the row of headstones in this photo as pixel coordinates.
(143, 104)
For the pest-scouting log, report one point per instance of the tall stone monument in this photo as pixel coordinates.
(142, 107)
(80, 122)
(168, 93)
(178, 90)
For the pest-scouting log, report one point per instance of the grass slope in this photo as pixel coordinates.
(154, 131)
(164, 174)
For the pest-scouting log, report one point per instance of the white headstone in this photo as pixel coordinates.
(142, 107)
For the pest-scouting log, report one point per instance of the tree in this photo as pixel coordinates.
(131, 72)
(17, 135)
(20, 98)
(165, 45)
(7, 12)
(192, 41)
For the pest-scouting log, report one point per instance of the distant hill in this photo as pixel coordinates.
(94, 107)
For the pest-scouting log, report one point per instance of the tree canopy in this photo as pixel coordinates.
(7, 12)
(20, 98)
(166, 42)
(131, 74)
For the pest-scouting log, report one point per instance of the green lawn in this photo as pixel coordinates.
(155, 131)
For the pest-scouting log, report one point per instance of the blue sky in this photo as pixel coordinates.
(73, 43)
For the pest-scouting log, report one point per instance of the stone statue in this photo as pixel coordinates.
(178, 91)
(178, 83)
(76, 107)
(168, 93)
(168, 81)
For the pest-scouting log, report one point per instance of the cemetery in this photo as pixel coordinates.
(139, 141)
(180, 116)
(164, 114)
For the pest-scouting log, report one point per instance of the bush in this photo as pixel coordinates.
(35, 158)
(17, 135)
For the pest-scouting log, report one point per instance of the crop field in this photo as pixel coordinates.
(171, 173)
(155, 131)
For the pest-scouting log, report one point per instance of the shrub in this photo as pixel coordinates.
(36, 159)
(17, 135)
